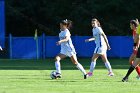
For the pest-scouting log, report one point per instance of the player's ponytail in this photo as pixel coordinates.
(68, 23)
(135, 22)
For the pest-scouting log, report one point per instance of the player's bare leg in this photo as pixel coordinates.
(131, 69)
(58, 65)
(131, 60)
(107, 64)
(78, 65)
(93, 64)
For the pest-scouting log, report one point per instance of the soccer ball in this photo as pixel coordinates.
(53, 75)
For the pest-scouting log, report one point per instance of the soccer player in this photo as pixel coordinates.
(137, 60)
(101, 47)
(133, 26)
(67, 48)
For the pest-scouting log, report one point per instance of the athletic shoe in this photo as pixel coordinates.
(85, 76)
(125, 79)
(110, 74)
(89, 74)
(58, 75)
(138, 77)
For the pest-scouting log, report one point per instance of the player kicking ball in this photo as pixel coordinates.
(137, 60)
(101, 47)
(67, 49)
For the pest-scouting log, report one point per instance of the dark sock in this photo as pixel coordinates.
(130, 71)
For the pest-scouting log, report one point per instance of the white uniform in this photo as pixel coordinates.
(101, 46)
(67, 48)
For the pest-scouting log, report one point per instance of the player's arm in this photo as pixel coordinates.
(63, 40)
(136, 41)
(106, 40)
(90, 39)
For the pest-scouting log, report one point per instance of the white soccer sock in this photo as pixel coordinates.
(58, 66)
(92, 66)
(80, 67)
(108, 66)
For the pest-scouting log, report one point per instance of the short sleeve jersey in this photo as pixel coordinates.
(97, 34)
(67, 46)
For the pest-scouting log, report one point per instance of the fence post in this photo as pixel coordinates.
(44, 45)
(10, 46)
(37, 49)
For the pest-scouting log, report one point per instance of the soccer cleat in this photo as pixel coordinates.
(89, 74)
(110, 74)
(58, 75)
(85, 76)
(125, 79)
(138, 77)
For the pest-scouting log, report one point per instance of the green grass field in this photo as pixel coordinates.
(31, 76)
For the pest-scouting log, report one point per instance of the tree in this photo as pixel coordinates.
(24, 16)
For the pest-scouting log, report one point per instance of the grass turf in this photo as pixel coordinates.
(31, 76)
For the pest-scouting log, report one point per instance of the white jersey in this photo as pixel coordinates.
(99, 39)
(66, 47)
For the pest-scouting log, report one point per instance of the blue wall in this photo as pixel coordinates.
(2, 23)
(25, 47)
(121, 46)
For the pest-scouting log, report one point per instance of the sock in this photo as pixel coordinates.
(130, 71)
(58, 66)
(138, 70)
(80, 67)
(108, 66)
(92, 66)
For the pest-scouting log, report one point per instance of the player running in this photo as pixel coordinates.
(101, 47)
(133, 26)
(137, 60)
(67, 48)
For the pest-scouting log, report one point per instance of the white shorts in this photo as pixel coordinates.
(100, 50)
(68, 53)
